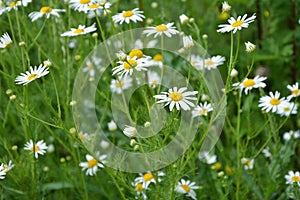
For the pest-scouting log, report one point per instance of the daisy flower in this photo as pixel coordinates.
(161, 29)
(80, 5)
(236, 24)
(91, 65)
(130, 131)
(81, 30)
(140, 190)
(249, 84)
(153, 78)
(287, 109)
(266, 152)
(127, 67)
(2, 173)
(295, 92)
(5, 41)
(26, 2)
(35, 73)
(45, 11)
(271, 102)
(248, 163)
(129, 15)
(117, 86)
(291, 134)
(187, 187)
(98, 8)
(177, 98)
(207, 158)
(213, 62)
(187, 42)
(183, 19)
(6, 167)
(225, 7)
(148, 178)
(292, 177)
(196, 61)
(83, 136)
(92, 165)
(249, 47)
(37, 148)
(202, 109)
(13, 5)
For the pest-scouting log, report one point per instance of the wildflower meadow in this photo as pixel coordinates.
(159, 100)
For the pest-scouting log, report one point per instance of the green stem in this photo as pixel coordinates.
(37, 36)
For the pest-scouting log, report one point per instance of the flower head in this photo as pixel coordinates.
(271, 102)
(187, 187)
(225, 7)
(248, 163)
(5, 41)
(81, 30)
(292, 177)
(80, 5)
(140, 190)
(129, 15)
(208, 63)
(148, 178)
(249, 84)
(112, 126)
(167, 29)
(207, 158)
(118, 85)
(287, 109)
(291, 134)
(35, 73)
(130, 131)
(236, 24)
(188, 42)
(249, 47)
(92, 165)
(202, 109)
(177, 98)
(45, 11)
(37, 148)
(153, 78)
(295, 91)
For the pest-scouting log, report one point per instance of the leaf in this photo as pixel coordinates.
(56, 186)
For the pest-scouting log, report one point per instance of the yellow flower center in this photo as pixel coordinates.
(217, 166)
(78, 31)
(296, 178)
(287, 109)
(5, 169)
(136, 52)
(119, 84)
(209, 63)
(237, 23)
(85, 1)
(12, 4)
(127, 13)
(90, 67)
(274, 101)
(249, 163)
(158, 57)
(161, 28)
(82, 136)
(139, 187)
(35, 148)
(91, 163)
(249, 83)
(148, 177)
(203, 112)
(228, 170)
(186, 188)
(94, 6)
(7, 44)
(130, 64)
(45, 9)
(155, 82)
(295, 92)
(176, 96)
(32, 76)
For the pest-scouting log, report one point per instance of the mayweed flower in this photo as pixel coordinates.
(92, 165)
(208, 63)
(183, 19)
(2, 173)
(13, 5)
(129, 15)
(249, 47)
(34, 73)
(80, 5)
(37, 148)
(98, 8)
(161, 29)
(140, 190)
(91, 65)
(153, 78)
(272, 102)
(236, 24)
(131, 64)
(295, 91)
(248, 163)
(81, 30)
(234, 73)
(225, 7)
(287, 109)
(177, 98)
(292, 177)
(45, 11)
(266, 152)
(6, 167)
(130, 131)
(249, 84)
(83, 136)
(148, 178)
(117, 86)
(188, 42)
(202, 109)
(291, 134)
(187, 187)
(207, 158)
(5, 41)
